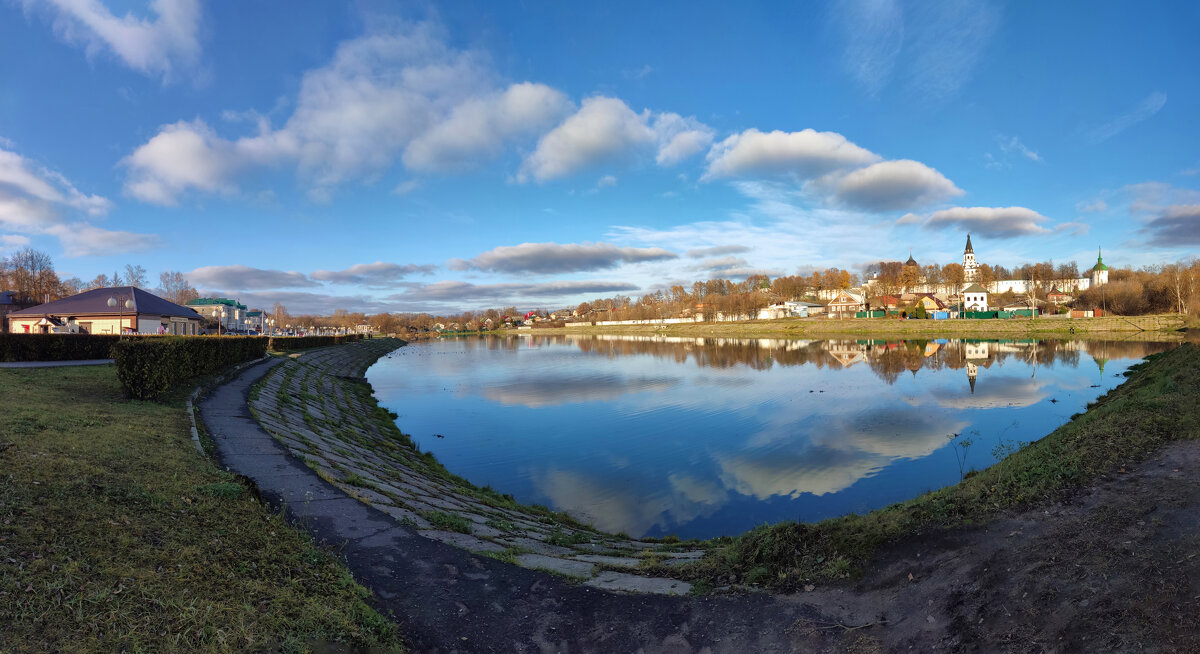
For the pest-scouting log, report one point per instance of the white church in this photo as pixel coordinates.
(1096, 276)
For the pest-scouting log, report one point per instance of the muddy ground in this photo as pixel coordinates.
(1114, 568)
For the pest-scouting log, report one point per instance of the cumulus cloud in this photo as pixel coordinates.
(157, 47)
(20, 176)
(353, 117)
(680, 138)
(604, 130)
(456, 291)
(82, 240)
(804, 154)
(890, 185)
(547, 258)
(13, 241)
(245, 278)
(36, 200)
(480, 126)
(1175, 226)
(731, 267)
(1149, 106)
(716, 251)
(182, 156)
(372, 275)
(996, 222)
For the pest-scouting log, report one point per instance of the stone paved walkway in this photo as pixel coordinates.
(319, 407)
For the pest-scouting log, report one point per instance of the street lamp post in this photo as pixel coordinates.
(127, 304)
(220, 318)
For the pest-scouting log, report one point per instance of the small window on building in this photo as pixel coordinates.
(85, 328)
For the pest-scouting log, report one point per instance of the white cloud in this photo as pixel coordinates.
(352, 118)
(421, 296)
(13, 241)
(82, 240)
(910, 219)
(33, 200)
(372, 275)
(890, 185)
(1177, 225)
(604, 130)
(181, 157)
(716, 251)
(874, 34)
(1149, 106)
(1014, 145)
(606, 181)
(680, 138)
(26, 178)
(479, 127)
(156, 47)
(244, 278)
(549, 258)
(996, 222)
(1091, 207)
(805, 154)
(946, 44)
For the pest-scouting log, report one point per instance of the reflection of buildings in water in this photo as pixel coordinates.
(972, 373)
(975, 351)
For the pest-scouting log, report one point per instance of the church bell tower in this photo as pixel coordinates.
(970, 268)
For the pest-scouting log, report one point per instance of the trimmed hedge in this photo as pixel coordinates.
(286, 343)
(56, 347)
(149, 367)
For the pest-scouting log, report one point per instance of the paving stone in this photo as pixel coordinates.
(692, 554)
(376, 498)
(536, 546)
(609, 580)
(561, 566)
(465, 541)
(619, 561)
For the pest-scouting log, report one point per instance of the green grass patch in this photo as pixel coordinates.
(1156, 405)
(355, 479)
(126, 540)
(448, 521)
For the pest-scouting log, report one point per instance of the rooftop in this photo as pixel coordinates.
(95, 303)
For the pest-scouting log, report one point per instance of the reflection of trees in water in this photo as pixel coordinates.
(887, 359)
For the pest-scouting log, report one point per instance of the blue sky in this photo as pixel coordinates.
(413, 157)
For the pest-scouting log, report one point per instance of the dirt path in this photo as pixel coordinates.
(1115, 568)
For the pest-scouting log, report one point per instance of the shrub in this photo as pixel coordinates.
(149, 367)
(287, 343)
(56, 347)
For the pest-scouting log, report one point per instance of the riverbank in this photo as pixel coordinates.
(1085, 539)
(118, 536)
(1147, 328)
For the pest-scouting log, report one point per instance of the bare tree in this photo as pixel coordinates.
(175, 287)
(31, 274)
(135, 275)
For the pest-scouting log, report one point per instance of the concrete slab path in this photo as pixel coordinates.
(447, 599)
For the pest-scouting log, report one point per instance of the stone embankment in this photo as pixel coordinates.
(319, 405)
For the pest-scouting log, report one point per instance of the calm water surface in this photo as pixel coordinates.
(654, 436)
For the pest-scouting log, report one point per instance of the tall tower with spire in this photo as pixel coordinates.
(970, 267)
(1099, 271)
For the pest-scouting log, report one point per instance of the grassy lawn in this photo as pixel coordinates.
(115, 535)
(1156, 405)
